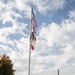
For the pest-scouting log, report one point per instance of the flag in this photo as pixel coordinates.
(33, 30)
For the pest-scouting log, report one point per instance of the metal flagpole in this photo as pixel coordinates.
(29, 49)
(29, 61)
(58, 71)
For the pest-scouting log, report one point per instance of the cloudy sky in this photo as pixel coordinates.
(55, 45)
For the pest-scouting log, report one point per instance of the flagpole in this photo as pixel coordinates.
(32, 37)
(29, 61)
(29, 49)
(58, 71)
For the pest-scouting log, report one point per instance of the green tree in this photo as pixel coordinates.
(6, 66)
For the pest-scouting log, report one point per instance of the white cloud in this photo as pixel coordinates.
(72, 14)
(44, 6)
(61, 36)
(8, 13)
(19, 4)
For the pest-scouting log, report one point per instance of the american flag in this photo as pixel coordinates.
(33, 30)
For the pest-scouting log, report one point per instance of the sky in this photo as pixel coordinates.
(55, 45)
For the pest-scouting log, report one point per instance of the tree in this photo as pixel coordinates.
(6, 66)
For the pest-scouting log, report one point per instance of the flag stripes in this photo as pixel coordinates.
(33, 30)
